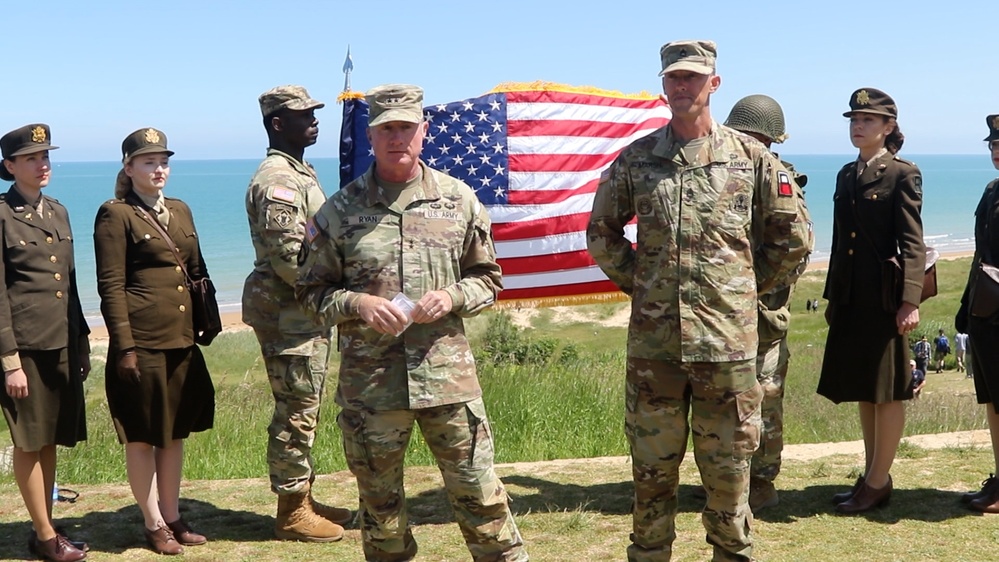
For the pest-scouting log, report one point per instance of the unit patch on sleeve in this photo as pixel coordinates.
(784, 188)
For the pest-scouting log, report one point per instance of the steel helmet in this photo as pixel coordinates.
(758, 114)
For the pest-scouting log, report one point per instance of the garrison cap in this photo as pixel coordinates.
(695, 56)
(993, 122)
(28, 139)
(871, 100)
(394, 102)
(758, 114)
(144, 141)
(287, 97)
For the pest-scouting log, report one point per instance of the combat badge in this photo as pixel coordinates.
(741, 203)
(38, 134)
(644, 207)
(863, 98)
(784, 188)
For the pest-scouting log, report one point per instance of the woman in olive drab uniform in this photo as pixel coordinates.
(876, 215)
(983, 333)
(157, 384)
(43, 335)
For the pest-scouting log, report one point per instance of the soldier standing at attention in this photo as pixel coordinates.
(282, 195)
(762, 118)
(44, 348)
(407, 244)
(718, 225)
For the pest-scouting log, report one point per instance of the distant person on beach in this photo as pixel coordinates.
(158, 387)
(396, 259)
(941, 349)
(960, 349)
(918, 379)
(283, 194)
(815, 305)
(922, 352)
(808, 305)
(44, 348)
(876, 212)
(982, 324)
(695, 286)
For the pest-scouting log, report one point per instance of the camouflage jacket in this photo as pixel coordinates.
(282, 195)
(357, 245)
(711, 237)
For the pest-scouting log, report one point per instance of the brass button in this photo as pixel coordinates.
(849, 252)
(58, 276)
(147, 237)
(875, 196)
(48, 239)
(853, 235)
(53, 259)
(177, 269)
(58, 294)
(180, 288)
(182, 308)
(23, 243)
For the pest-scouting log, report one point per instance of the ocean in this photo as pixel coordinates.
(952, 185)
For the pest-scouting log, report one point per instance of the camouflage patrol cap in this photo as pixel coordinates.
(144, 141)
(993, 122)
(758, 114)
(871, 100)
(28, 139)
(287, 97)
(695, 56)
(394, 102)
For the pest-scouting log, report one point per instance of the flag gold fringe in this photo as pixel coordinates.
(570, 300)
(349, 95)
(541, 85)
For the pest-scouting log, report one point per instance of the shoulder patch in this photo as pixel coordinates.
(784, 188)
(310, 230)
(283, 194)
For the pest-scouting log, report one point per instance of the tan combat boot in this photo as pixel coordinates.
(296, 520)
(762, 494)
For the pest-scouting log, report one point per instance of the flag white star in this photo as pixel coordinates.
(371, 152)
(459, 159)
(446, 170)
(472, 170)
(497, 148)
(495, 105)
(442, 128)
(469, 127)
(430, 139)
(468, 105)
(441, 108)
(485, 182)
(499, 170)
(498, 192)
(483, 138)
(455, 116)
(432, 161)
(456, 138)
(469, 148)
(445, 148)
(497, 127)
(483, 116)
(485, 159)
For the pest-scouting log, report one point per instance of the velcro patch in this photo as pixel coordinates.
(283, 194)
(311, 231)
(784, 188)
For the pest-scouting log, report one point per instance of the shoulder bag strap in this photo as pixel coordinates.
(173, 247)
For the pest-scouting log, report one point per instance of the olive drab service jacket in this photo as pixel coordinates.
(39, 303)
(886, 199)
(144, 295)
(711, 237)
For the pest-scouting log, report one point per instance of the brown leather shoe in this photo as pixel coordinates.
(988, 485)
(866, 498)
(184, 534)
(33, 538)
(988, 503)
(162, 541)
(57, 549)
(844, 496)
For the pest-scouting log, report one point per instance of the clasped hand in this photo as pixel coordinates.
(386, 318)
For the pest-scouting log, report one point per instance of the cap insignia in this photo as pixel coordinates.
(682, 53)
(995, 122)
(152, 136)
(863, 98)
(38, 134)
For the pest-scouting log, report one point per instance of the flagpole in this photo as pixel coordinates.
(348, 65)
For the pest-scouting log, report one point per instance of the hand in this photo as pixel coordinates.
(432, 307)
(84, 365)
(17, 383)
(128, 365)
(383, 316)
(206, 338)
(907, 318)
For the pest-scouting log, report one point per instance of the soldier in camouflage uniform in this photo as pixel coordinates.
(282, 195)
(718, 225)
(762, 118)
(396, 259)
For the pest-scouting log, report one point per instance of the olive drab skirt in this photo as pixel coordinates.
(53, 412)
(865, 359)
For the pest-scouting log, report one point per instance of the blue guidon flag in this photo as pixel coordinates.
(533, 153)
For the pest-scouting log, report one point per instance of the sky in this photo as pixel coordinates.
(96, 71)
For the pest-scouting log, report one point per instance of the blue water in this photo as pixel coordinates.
(215, 189)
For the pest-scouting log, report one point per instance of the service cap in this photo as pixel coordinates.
(28, 139)
(872, 100)
(287, 97)
(394, 102)
(695, 56)
(144, 141)
(993, 122)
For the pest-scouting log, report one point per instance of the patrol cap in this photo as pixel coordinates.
(993, 122)
(394, 102)
(28, 139)
(758, 114)
(695, 56)
(144, 141)
(287, 97)
(872, 100)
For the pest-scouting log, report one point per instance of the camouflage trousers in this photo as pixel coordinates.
(297, 382)
(723, 401)
(771, 371)
(460, 439)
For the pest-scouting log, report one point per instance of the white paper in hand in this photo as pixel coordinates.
(406, 306)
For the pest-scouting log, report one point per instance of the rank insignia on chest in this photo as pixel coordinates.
(784, 188)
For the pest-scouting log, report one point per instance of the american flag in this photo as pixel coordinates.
(534, 155)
